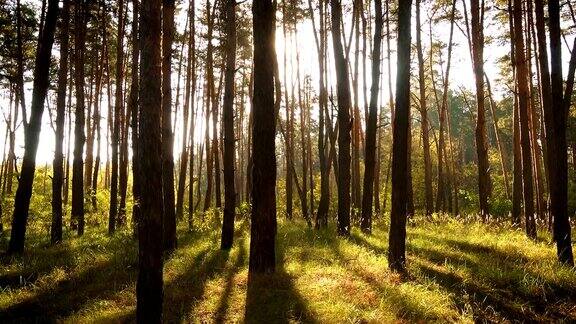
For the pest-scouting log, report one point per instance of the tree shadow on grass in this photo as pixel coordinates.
(184, 291)
(500, 297)
(225, 297)
(99, 281)
(404, 305)
(273, 298)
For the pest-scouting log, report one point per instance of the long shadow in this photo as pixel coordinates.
(487, 304)
(182, 292)
(225, 297)
(476, 249)
(100, 281)
(61, 257)
(404, 305)
(273, 298)
(502, 298)
(91, 282)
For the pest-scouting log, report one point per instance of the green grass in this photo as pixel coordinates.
(457, 272)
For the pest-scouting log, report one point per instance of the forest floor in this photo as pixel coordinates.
(457, 272)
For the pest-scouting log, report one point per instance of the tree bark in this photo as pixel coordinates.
(40, 88)
(428, 191)
(397, 237)
(113, 214)
(133, 110)
(228, 123)
(558, 149)
(81, 14)
(149, 285)
(263, 224)
(484, 186)
(371, 127)
(344, 122)
(522, 81)
(58, 165)
(167, 135)
(185, 114)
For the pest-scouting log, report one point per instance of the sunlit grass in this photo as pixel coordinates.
(457, 271)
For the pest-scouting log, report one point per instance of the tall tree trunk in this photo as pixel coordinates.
(558, 150)
(320, 38)
(133, 110)
(167, 135)
(209, 101)
(81, 14)
(113, 214)
(289, 121)
(522, 81)
(355, 190)
(185, 114)
(484, 186)
(397, 237)
(58, 165)
(193, 119)
(263, 224)
(228, 124)
(40, 88)
(69, 137)
(503, 161)
(428, 191)
(443, 180)
(149, 285)
(344, 123)
(371, 127)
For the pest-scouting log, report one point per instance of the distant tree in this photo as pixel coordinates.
(58, 166)
(133, 110)
(40, 88)
(344, 123)
(167, 135)
(149, 285)
(397, 237)
(371, 128)
(428, 191)
(263, 192)
(228, 121)
(116, 119)
(523, 96)
(484, 186)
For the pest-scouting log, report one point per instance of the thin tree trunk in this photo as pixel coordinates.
(185, 115)
(133, 110)
(81, 15)
(344, 123)
(167, 135)
(58, 165)
(484, 185)
(523, 93)
(428, 191)
(40, 88)
(113, 213)
(228, 124)
(371, 127)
